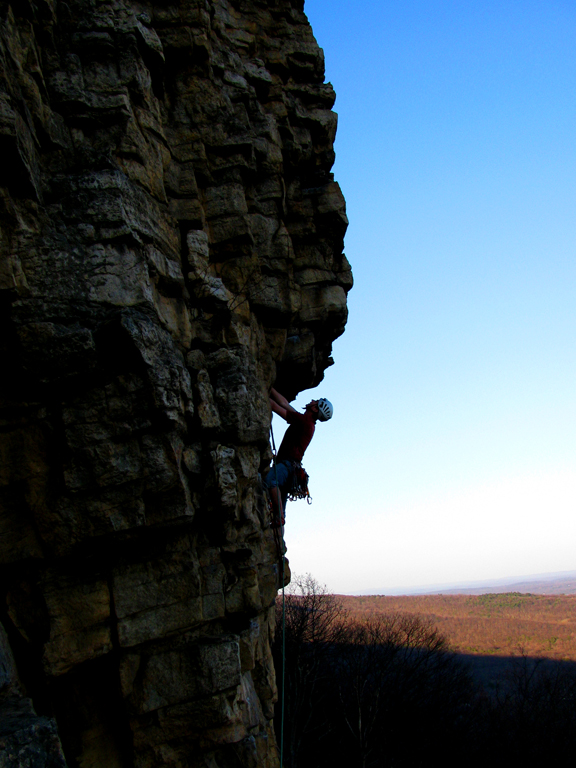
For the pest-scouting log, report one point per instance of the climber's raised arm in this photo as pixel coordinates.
(278, 409)
(279, 404)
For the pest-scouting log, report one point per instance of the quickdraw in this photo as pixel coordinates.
(299, 489)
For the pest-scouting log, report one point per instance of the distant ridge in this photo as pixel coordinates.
(560, 583)
(565, 586)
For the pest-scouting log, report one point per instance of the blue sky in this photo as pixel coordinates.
(451, 455)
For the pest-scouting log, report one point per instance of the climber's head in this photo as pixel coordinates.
(321, 408)
(325, 409)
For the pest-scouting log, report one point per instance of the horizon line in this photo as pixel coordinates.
(478, 584)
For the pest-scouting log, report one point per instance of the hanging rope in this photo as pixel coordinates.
(283, 667)
(279, 539)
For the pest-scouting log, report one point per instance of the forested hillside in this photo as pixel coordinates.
(501, 624)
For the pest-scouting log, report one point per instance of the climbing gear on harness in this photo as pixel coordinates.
(299, 487)
(325, 409)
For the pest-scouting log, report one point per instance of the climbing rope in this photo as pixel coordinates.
(278, 539)
(283, 668)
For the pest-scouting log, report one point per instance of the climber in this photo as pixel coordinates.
(296, 440)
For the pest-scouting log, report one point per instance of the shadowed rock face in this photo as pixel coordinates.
(170, 247)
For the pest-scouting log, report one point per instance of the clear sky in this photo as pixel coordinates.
(451, 456)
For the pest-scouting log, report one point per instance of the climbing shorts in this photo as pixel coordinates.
(283, 471)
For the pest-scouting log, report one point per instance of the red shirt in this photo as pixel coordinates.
(298, 435)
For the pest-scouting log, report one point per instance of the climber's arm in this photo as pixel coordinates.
(279, 404)
(278, 409)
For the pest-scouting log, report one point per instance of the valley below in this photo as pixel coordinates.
(507, 624)
(500, 637)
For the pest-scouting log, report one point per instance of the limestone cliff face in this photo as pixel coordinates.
(170, 247)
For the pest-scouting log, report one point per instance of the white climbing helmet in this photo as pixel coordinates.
(325, 409)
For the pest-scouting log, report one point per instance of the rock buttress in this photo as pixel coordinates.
(171, 245)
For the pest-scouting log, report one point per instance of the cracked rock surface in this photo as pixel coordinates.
(171, 245)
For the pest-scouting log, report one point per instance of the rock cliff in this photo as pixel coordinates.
(170, 246)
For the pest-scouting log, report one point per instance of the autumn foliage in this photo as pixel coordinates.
(502, 624)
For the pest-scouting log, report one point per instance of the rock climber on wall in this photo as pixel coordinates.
(296, 440)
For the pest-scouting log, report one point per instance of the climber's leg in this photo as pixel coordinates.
(279, 478)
